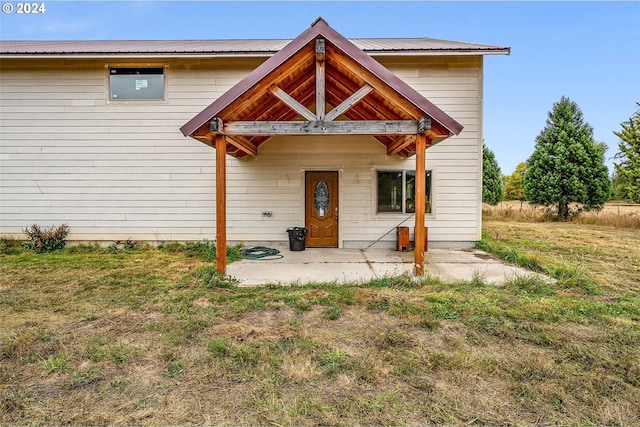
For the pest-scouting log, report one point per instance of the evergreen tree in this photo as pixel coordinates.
(513, 188)
(620, 189)
(492, 190)
(567, 165)
(628, 171)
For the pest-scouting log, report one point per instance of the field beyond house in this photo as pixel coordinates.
(152, 337)
(615, 214)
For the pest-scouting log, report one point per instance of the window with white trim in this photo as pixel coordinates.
(136, 83)
(396, 191)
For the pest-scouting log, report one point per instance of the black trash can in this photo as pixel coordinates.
(296, 238)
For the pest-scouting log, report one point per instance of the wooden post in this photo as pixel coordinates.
(421, 147)
(221, 203)
(320, 79)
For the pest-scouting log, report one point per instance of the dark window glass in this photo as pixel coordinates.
(410, 191)
(389, 191)
(136, 83)
(396, 191)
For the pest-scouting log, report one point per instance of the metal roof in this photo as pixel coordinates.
(238, 47)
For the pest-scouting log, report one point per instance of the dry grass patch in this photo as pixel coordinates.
(611, 256)
(145, 338)
(614, 214)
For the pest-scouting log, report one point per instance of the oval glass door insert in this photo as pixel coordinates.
(321, 199)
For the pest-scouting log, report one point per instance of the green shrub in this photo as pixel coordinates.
(46, 239)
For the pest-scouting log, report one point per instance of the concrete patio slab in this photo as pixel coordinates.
(357, 266)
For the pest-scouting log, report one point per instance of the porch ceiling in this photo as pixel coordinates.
(285, 96)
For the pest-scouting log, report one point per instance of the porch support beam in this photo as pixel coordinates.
(346, 127)
(320, 79)
(419, 230)
(216, 128)
(243, 144)
(424, 125)
(292, 103)
(348, 103)
(398, 145)
(221, 203)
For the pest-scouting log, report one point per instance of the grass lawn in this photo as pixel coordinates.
(154, 337)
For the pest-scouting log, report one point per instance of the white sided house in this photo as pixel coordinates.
(348, 138)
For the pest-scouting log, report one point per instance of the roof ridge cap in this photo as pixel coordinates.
(318, 20)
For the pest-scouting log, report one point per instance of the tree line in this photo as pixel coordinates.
(566, 171)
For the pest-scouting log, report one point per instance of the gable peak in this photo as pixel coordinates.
(318, 20)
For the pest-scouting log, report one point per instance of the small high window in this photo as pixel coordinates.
(397, 191)
(136, 83)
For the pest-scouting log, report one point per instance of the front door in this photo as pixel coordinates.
(321, 209)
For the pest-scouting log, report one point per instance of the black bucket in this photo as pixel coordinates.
(296, 238)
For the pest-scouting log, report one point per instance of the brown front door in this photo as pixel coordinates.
(321, 209)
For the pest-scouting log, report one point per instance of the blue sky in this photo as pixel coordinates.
(587, 51)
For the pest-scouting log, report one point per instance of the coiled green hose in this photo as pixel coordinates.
(260, 253)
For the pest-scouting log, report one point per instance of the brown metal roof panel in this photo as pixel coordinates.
(142, 47)
(230, 47)
(371, 45)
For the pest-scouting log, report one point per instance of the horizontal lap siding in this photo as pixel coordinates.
(111, 170)
(123, 170)
(454, 84)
